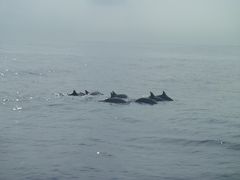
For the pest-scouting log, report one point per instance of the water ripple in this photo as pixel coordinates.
(186, 142)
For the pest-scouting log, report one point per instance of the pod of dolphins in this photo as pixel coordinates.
(123, 98)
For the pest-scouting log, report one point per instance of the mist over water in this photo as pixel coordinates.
(190, 49)
(195, 22)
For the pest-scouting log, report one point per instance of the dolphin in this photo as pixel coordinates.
(165, 97)
(113, 94)
(156, 98)
(146, 101)
(94, 93)
(115, 100)
(74, 93)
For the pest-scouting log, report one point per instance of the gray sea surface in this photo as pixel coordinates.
(47, 136)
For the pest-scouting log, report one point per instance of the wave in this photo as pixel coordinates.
(187, 142)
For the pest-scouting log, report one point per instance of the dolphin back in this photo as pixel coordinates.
(114, 100)
(146, 101)
(113, 94)
(165, 97)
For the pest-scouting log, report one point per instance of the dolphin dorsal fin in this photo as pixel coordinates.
(86, 92)
(74, 93)
(151, 94)
(163, 94)
(112, 94)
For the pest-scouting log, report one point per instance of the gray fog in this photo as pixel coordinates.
(189, 49)
(185, 21)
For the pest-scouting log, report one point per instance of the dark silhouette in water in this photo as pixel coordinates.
(165, 97)
(115, 100)
(74, 93)
(156, 98)
(146, 101)
(119, 98)
(95, 93)
(113, 94)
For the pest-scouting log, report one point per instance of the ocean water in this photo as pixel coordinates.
(47, 136)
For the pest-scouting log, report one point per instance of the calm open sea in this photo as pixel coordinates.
(46, 136)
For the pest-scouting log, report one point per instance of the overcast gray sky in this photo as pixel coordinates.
(178, 21)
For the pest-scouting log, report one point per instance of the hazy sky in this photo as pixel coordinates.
(179, 21)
